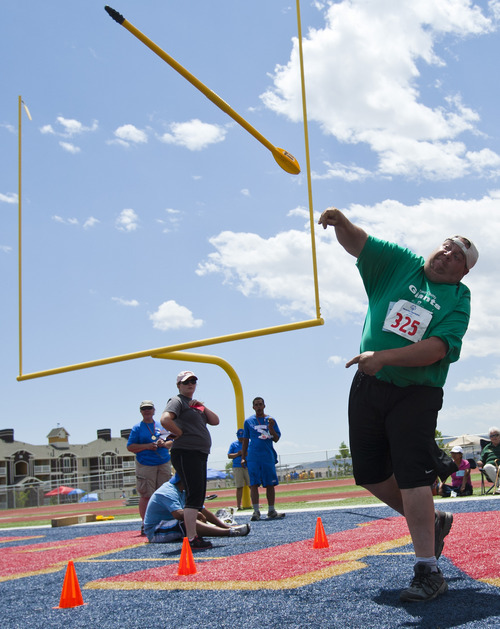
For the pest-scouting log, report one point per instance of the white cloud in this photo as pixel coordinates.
(129, 134)
(10, 128)
(336, 360)
(194, 135)
(70, 148)
(90, 222)
(125, 302)
(10, 197)
(477, 418)
(363, 71)
(479, 383)
(128, 221)
(494, 6)
(171, 316)
(280, 267)
(172, 221)
(341, 171)
(65, 221)
(70, 127)
(5, 248)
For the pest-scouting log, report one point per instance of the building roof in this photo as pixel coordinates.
(116, 445)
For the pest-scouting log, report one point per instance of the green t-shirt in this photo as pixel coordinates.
(490, 453)
(391, 273)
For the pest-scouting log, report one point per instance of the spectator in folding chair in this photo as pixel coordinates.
(490, 458)
(460, 480)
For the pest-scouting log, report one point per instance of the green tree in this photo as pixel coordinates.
(439, 440)
(344, 451)
(22, 498)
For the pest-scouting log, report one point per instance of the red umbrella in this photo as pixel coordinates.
(62, 490)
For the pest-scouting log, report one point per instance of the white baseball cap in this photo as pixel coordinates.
(185, 375)
(471, 253)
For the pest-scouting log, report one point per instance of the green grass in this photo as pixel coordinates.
(320, 490)
(343, 502)
(306, 504)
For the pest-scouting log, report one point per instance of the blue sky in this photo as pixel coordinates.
(150, 218)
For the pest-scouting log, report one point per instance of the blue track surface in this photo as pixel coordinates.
(367, 594)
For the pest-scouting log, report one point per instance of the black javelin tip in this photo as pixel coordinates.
(117, 17)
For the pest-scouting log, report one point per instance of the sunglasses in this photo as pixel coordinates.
(494, 434)
(190, 381)
(147, 408)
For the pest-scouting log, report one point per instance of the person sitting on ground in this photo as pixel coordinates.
(460, 480)
(490, 456)
(164, 519)
(240, 473)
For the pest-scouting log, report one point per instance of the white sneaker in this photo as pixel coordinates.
(239, 531)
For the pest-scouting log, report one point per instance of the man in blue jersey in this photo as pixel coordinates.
(418, 313)
(260, 431)
(240, 473)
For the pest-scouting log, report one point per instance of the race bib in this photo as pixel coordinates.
(407, 320)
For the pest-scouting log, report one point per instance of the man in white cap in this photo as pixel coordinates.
(418, 313)
(152, 456)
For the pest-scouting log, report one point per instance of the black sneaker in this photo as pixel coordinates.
(198, 543)
(142, 531)
(239, 531)
(255, 516)
(425, 585)
(274, 515)
(443, 522)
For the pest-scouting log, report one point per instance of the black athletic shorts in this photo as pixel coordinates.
(392, 431)
(191, 465)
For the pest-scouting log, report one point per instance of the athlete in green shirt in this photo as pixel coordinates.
(418, 312)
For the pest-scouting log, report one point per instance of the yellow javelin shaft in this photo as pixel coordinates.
(210, 94)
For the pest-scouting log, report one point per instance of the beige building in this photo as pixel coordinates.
(28, 472)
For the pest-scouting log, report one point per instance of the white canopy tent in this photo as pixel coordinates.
(465, 441)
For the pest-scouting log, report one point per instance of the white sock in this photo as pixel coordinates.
(428, 561)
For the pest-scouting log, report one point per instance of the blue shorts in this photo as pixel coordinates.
(262, 472)
(167, 531)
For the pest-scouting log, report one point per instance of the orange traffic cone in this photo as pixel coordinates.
(71, 595)
(186, 562)
(320, 539)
